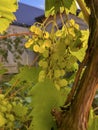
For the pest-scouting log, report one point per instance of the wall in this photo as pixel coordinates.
(27, 56)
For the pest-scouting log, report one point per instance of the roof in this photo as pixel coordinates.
(26, 14)
(83, 25)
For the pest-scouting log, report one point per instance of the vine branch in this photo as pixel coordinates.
(15, 34)
(77, 78)
(84, 10)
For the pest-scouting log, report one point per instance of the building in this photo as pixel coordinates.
(25, 16)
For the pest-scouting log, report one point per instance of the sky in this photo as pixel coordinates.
(36, 3)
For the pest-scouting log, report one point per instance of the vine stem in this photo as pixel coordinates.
(84, 10)
(35, 60)
(13, 94)
(16, 34)
(17, 81)
(77, 78)
(95, 109)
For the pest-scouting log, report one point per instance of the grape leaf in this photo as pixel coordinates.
(93, 121)
(20, 110)
(79, 54)
(45, 97)
(53, 6)
(28, 74)
(7, 7)
(67, 3)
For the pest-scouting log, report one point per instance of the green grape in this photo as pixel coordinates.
(75, 66)
(41, 48)
(46, 53)
(55, 56)
(46, 35)
(10, 117)
(2, 120)
(29, 43)
(57, 73)
(47, 43)
(38, 31)
(42, 76)
(14, 103)
(57, 85)
(40, 42)
(5, 102)
(62, 72)
(71, 32)
(65, 30)
(61, 64)
(3, 108)
(55, 50)
(67, 41)
(35, 38)
(72, 22)
(2, 96)
(33, 28)
(36, 48)
(63, 82)
(70, 61)
(9, 124)
(60, 48)
(59, 33)
(76, 26)
(9, 107)
(43, 64)
(5, 113)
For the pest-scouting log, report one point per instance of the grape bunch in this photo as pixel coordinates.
(55, 48)
(6, 115)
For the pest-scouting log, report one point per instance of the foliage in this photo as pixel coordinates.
(60, 50)
(28, 99)
(14, 46)
(46, 97)
(16, 95)
(26, 74)
(53, 7)
(2, 69)
(93, 121)
(6, 116)
(6, 13)
(13, 112)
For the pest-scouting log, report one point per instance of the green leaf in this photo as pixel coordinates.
(93, 121)
(67, 3)
(79, 54)
(2, 120)
(28, 74)
(20, 110)
(53, 6)
(73, 8)
(45, 97)
(6, 13)
(4, 23)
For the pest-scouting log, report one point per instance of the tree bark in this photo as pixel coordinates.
(76, 117)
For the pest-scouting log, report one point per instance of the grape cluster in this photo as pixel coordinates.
(55, 50)
(6, 116)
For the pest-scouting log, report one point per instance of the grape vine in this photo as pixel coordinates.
(57, 50)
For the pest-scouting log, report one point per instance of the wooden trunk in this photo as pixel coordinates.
(76, 118)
